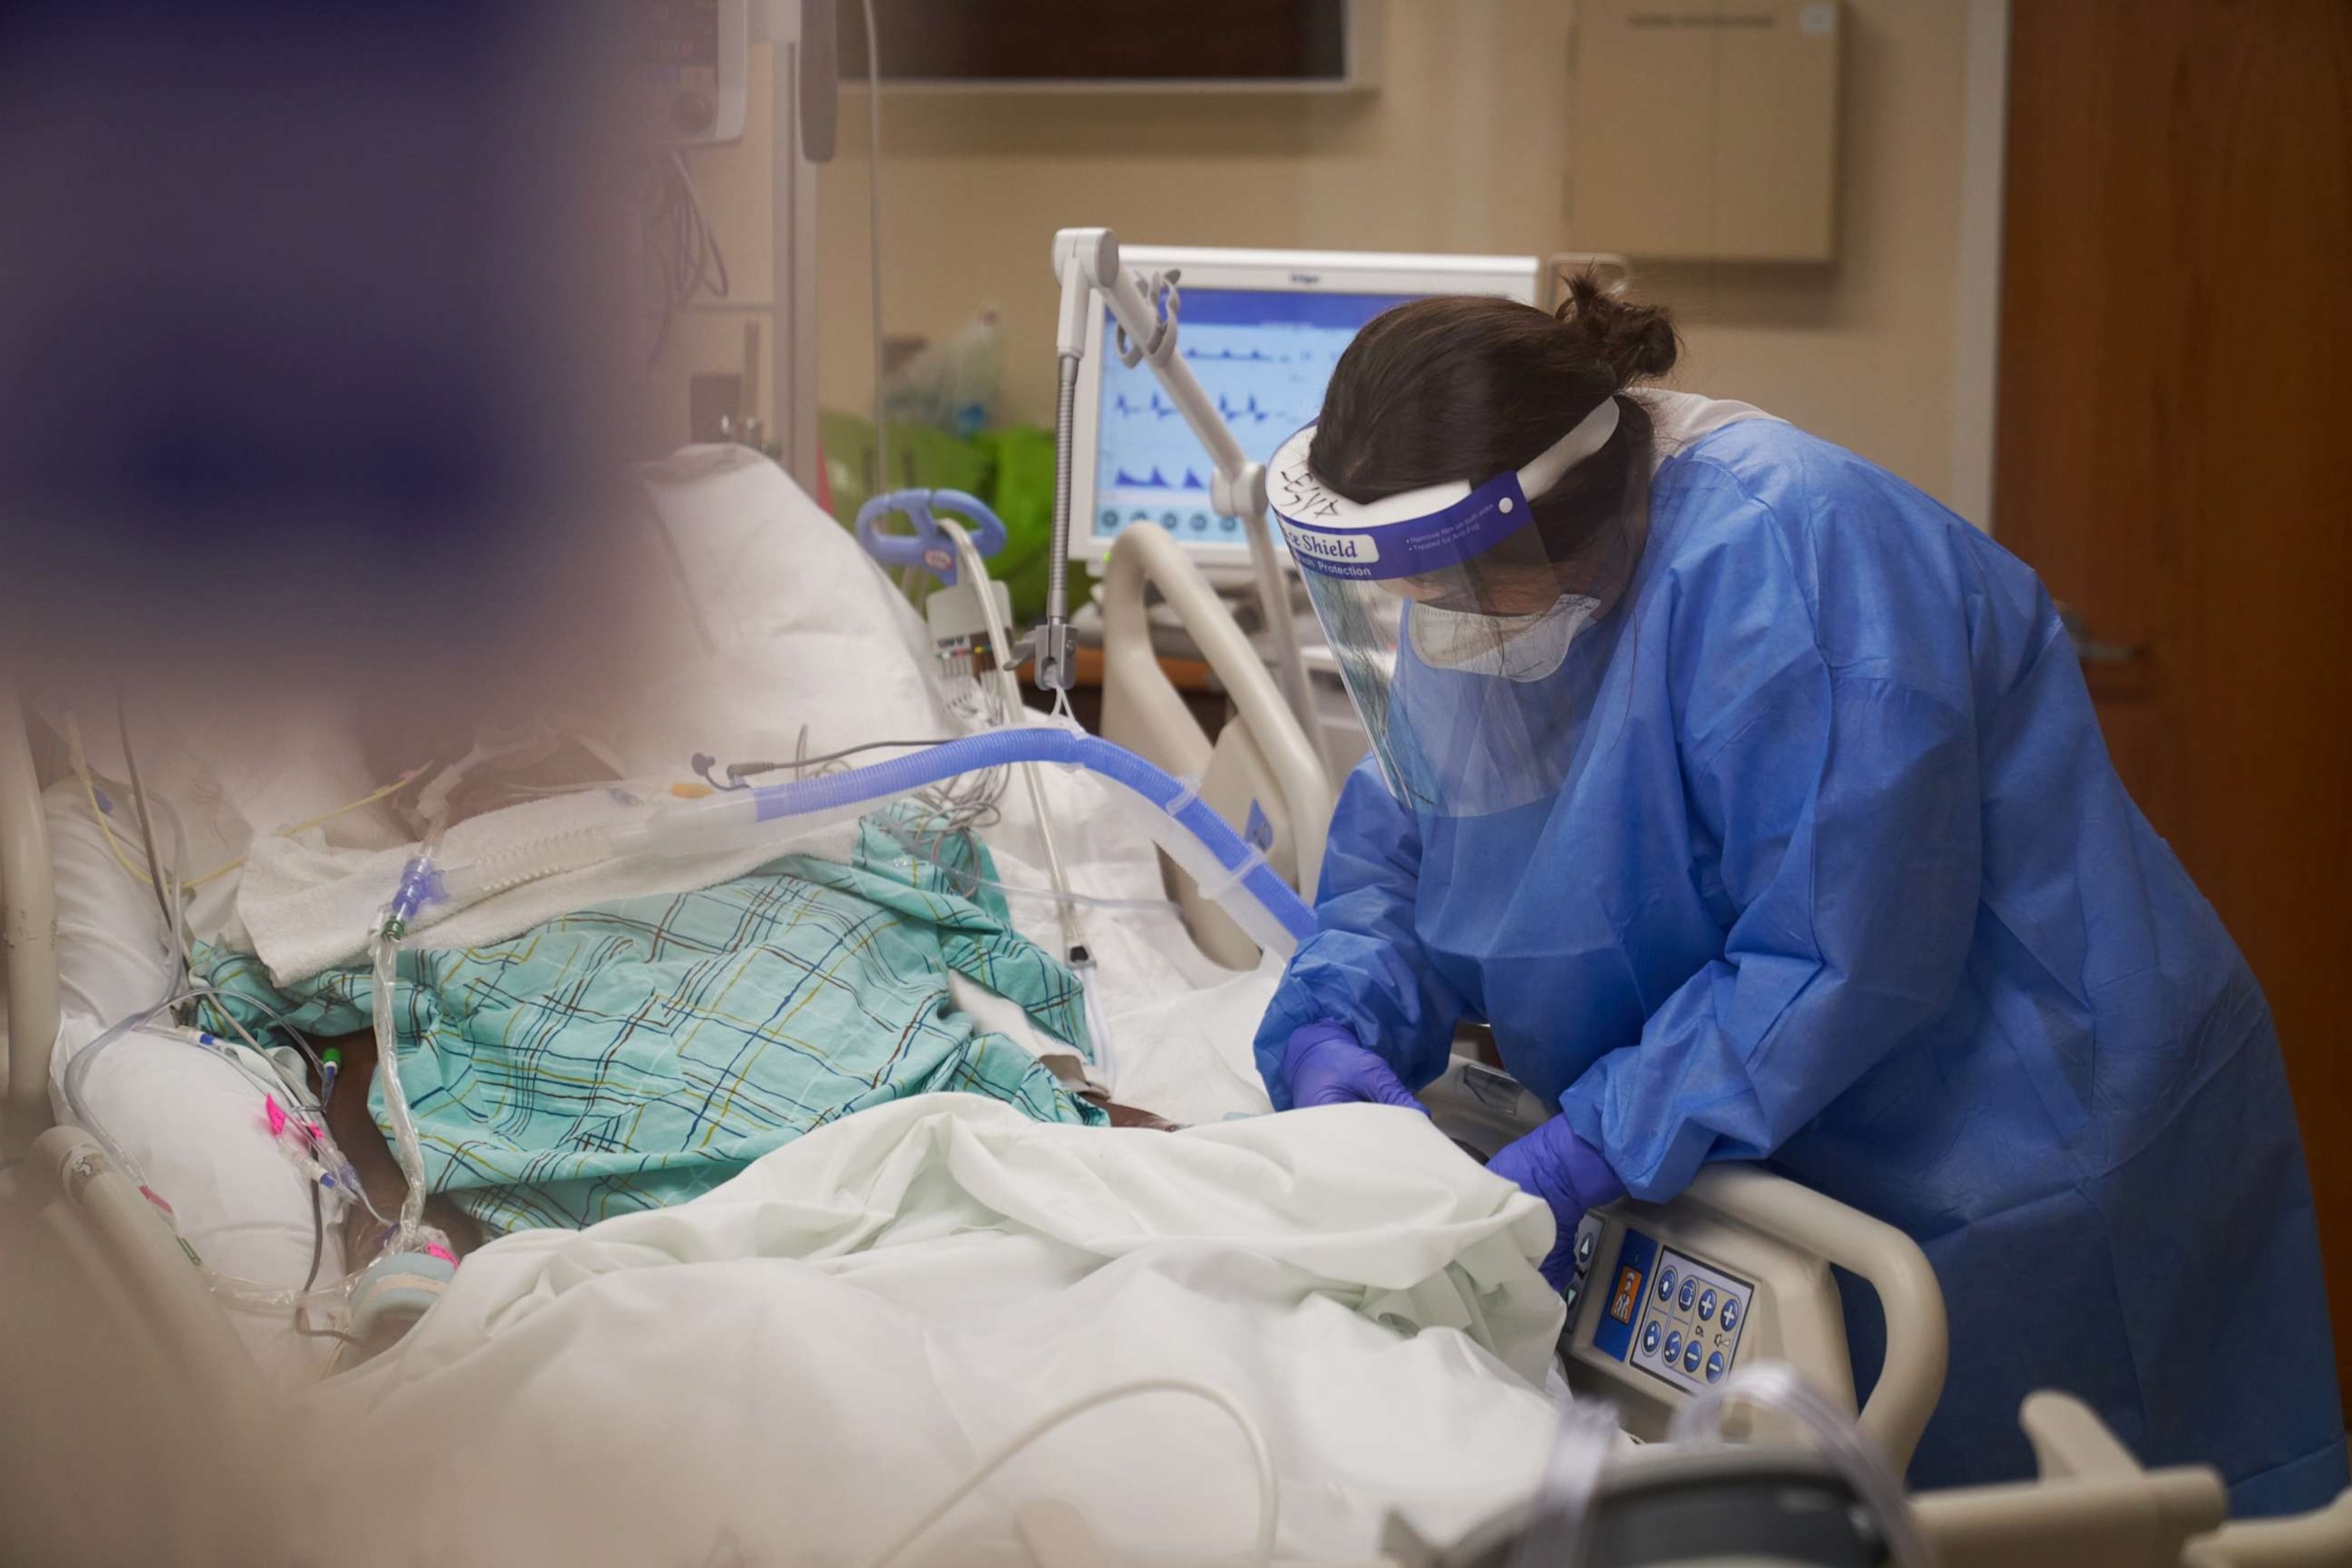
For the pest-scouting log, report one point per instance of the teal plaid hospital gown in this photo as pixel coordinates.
(634, 1056)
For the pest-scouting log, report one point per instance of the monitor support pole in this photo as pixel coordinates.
(1086, 262)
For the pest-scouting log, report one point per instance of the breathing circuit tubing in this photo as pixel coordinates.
(1227, 869)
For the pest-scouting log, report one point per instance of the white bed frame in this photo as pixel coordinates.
(1261, 757)
(29, 935)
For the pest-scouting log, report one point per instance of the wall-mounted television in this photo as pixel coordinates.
(1049, 45)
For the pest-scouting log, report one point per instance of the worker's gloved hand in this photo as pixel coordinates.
(1556, 1166)
(1325, 1064)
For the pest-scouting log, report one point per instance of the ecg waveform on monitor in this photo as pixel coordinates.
(1156, 481)
(1153, 407)
(1252, 386)
(1266, 379)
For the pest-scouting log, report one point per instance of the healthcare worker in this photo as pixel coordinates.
(1757, 803)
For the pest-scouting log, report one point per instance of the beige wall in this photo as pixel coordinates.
(734, 182)
(1464, 147)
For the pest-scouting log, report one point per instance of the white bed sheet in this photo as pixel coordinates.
(790, 1368)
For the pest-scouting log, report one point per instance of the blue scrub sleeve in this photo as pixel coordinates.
(1365, 966)
(1845, 803)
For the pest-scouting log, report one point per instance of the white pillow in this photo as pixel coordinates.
(112, 948)
(800, 627)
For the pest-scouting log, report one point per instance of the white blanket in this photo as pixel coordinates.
(791, 1368)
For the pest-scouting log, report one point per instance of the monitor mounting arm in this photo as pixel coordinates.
(1086, 262)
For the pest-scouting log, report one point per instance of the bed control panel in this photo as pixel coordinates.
(1672, 1315)
(1666, 1299)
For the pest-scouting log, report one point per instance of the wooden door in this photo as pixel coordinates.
(2175, 454)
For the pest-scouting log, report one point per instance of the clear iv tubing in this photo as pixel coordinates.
(419, 884)
(975, 572)
(1269, 1493)
(1559, 1532)
(1773, 1385)
(1076, 950)
(245, 1292)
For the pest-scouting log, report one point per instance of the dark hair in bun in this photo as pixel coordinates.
(1637, 342)
(1468, 387)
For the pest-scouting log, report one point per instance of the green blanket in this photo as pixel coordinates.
(634, 1056)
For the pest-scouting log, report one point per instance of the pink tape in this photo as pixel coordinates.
(443, 1253)
(277, 1115)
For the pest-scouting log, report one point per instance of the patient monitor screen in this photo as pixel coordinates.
(1264, 356)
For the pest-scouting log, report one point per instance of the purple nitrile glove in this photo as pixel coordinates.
(1325, 1064)
(1556, 1166)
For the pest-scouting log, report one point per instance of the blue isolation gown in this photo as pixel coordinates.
(1836, 874)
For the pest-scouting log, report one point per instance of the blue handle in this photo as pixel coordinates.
(929, 547)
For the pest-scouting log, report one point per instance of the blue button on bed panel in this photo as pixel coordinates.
(1691, 1355)
(1674, 1348)
(1650, 1337)
(1706, 1304)
(1690, 1289)
(1714, 1367)
(1666, 1283)
(1730, 1318)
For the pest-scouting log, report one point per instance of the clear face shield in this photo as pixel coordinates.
(1451, 616)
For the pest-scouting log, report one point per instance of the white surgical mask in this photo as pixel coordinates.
(1515, 647)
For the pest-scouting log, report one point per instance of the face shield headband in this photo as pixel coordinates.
(1416, 532)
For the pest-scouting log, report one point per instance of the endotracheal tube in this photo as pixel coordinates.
(415, 1261)
(419, 883)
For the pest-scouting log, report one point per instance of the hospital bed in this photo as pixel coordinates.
(1760, 1246)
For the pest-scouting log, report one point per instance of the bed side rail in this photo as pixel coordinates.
(29, 937)
(1143, 711)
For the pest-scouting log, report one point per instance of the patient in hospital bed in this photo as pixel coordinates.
(870, 1269)
(635, 1054)
(621, 1044)
(623, 1038)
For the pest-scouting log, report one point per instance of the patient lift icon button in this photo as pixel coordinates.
(1629, 1290)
